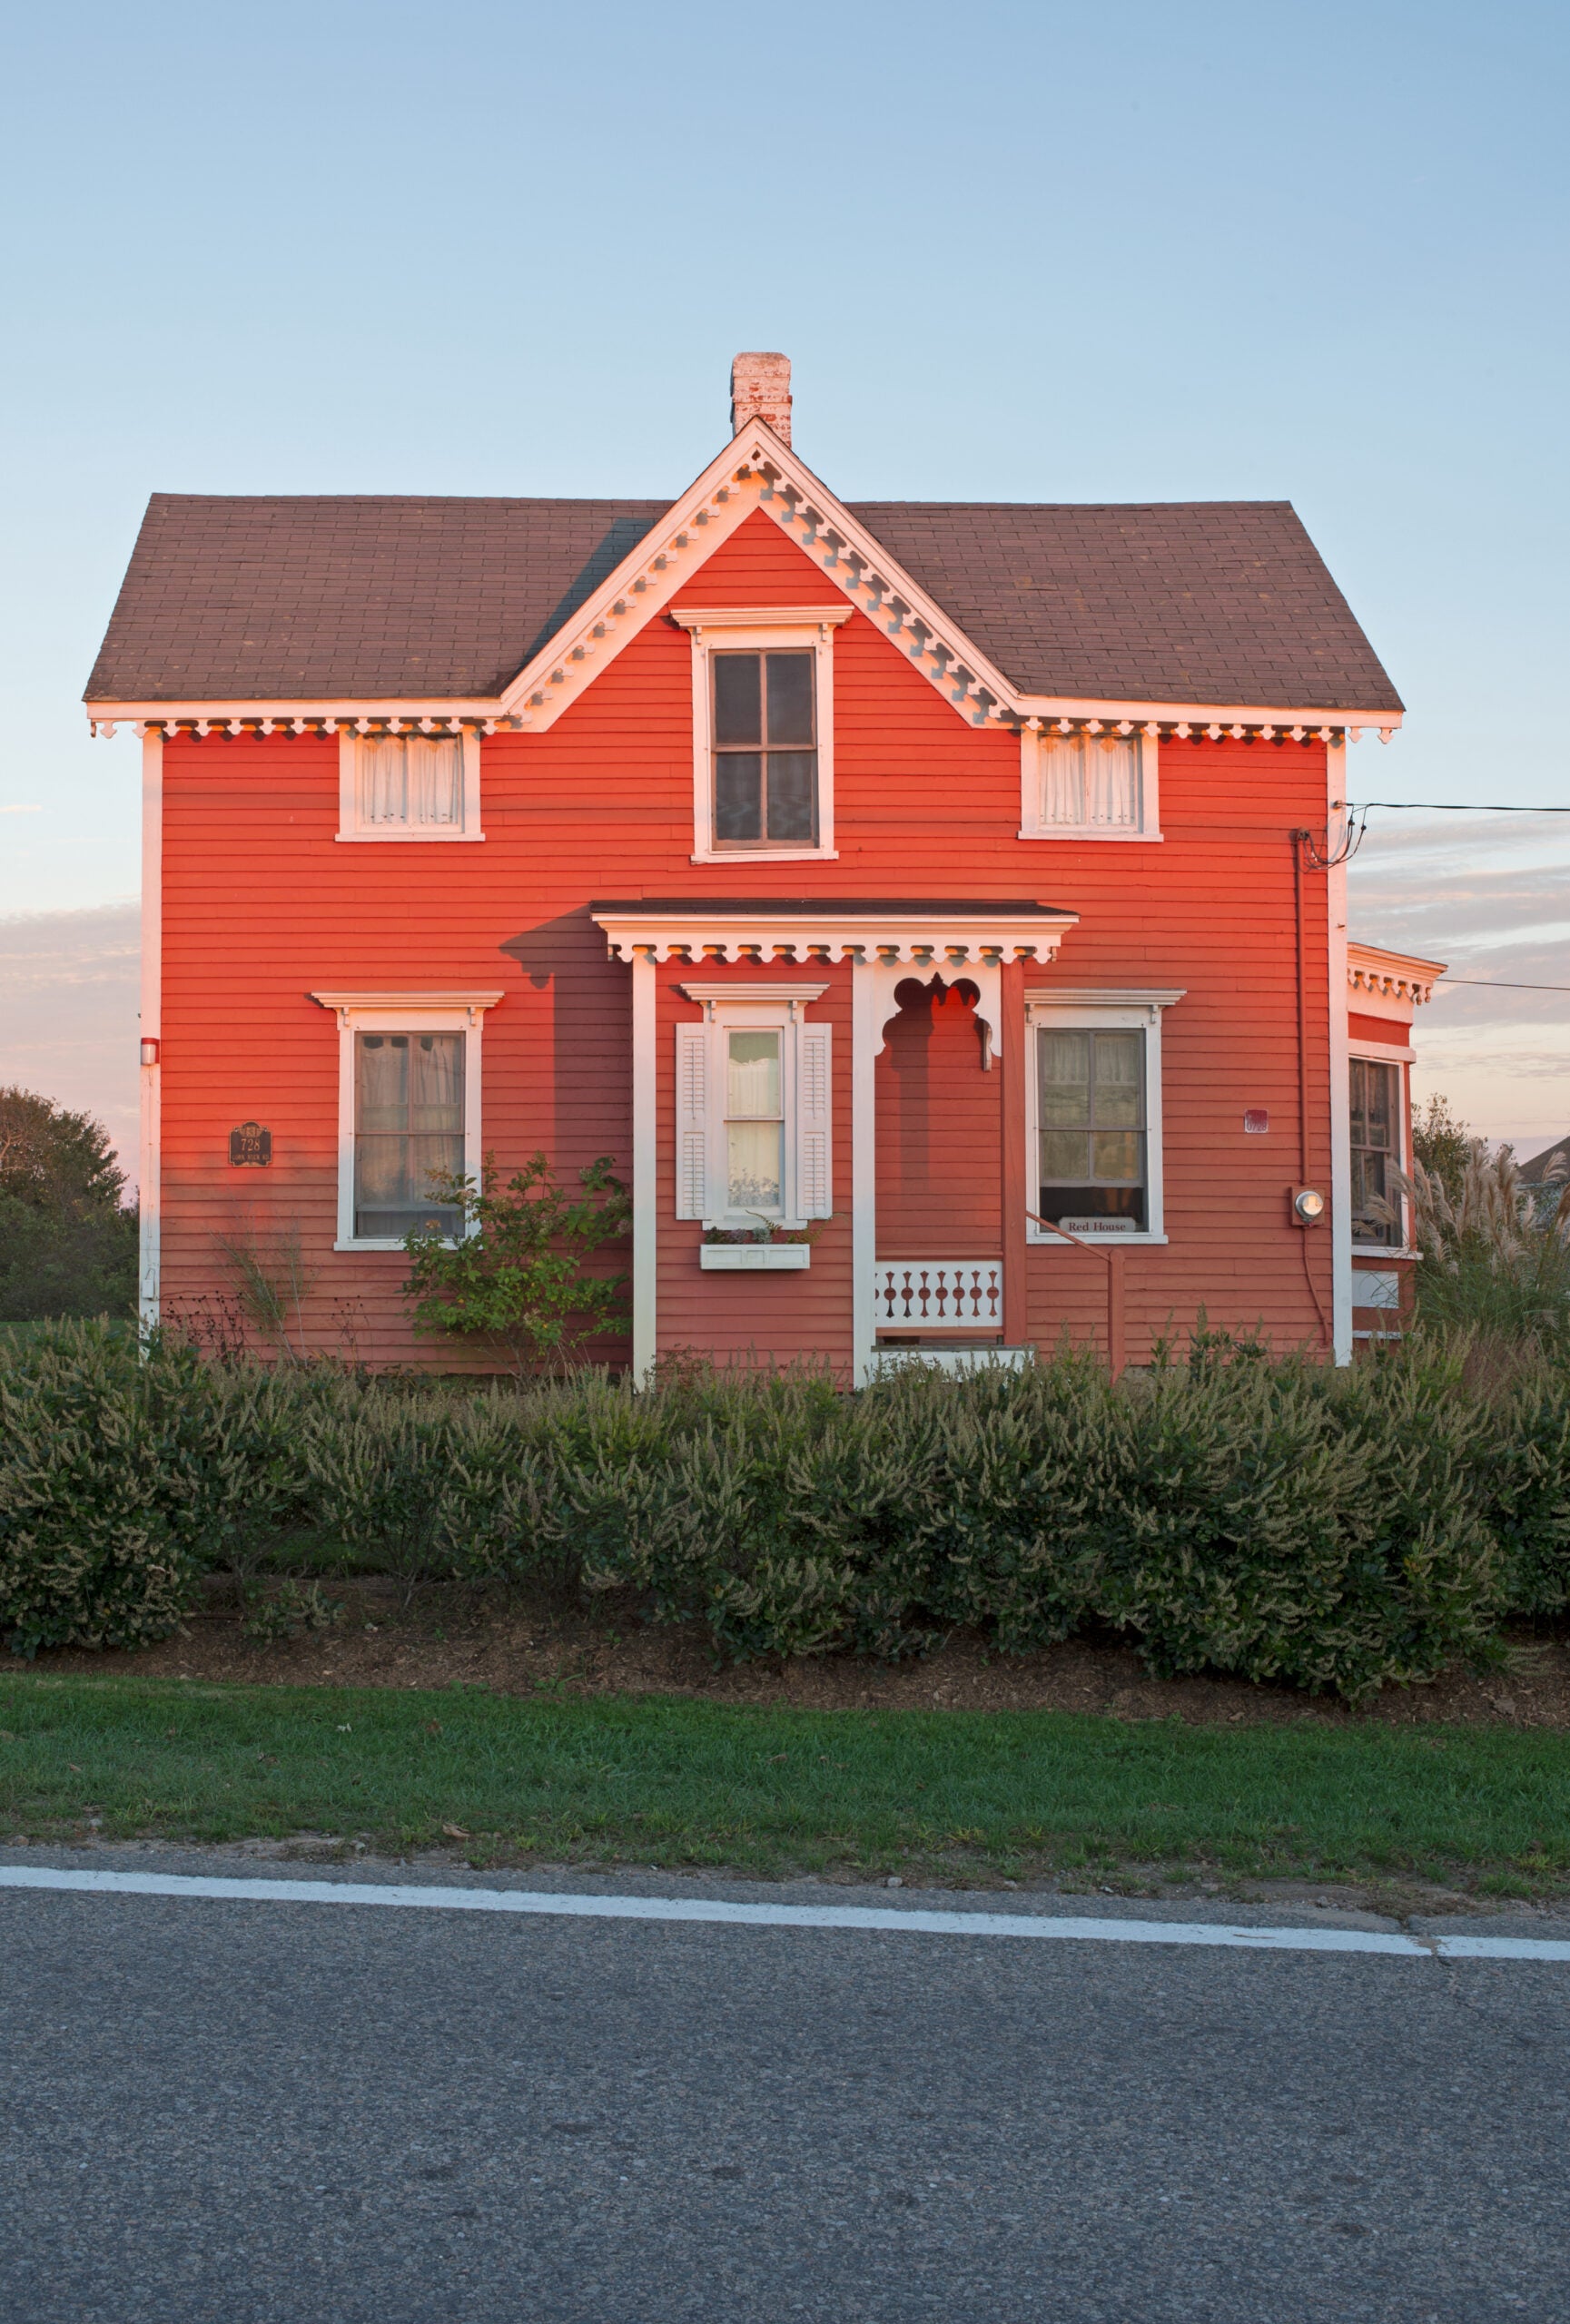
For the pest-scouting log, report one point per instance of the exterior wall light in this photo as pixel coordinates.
(149, 1052)
(1307, 1206)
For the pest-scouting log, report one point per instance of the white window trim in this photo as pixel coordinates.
(1108, 1010)
(1032, 825)
(1389, 1053)
(392, 1012)
(348, 825)
(754, 630)
(760, 1008)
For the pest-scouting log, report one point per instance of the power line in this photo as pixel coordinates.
(1452, 807)
(1501, 984)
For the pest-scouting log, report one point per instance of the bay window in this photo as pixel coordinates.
(1376, 1124)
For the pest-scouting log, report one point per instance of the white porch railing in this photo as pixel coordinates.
(939, 1294)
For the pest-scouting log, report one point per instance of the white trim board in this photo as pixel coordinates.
(908, 1920)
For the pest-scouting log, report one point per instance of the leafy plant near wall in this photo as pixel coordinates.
(272, 1281)
(517, 1278)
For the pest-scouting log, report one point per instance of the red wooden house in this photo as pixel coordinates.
(902, 887)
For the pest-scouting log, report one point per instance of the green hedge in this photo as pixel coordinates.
(1285, 1521)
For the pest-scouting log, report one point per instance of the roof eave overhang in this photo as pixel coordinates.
(755, 472)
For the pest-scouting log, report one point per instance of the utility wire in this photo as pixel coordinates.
(1501, 984)
(1453, 807)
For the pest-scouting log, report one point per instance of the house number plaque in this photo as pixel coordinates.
(250, 1146)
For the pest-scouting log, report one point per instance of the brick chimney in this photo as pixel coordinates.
(760, 388)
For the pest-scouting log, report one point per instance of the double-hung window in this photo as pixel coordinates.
(1088, 786)
(765, 761)
(1094, 1113)
(407, 1133)
(753, 1108)
(409, 1120)
(1375, 1112)
(409, 787)
(1093, 1137)
(763, 731)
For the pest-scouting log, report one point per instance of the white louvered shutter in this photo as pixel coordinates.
(815, 1098)
(691, 1121)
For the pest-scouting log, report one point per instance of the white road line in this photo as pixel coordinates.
(903, 1921)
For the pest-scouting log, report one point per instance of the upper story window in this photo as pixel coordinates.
(1088, 786)
(765, 761)
(409, 787)
(1376, 1151)
(763, 731)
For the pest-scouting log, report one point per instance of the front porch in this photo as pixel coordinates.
(908, 1136)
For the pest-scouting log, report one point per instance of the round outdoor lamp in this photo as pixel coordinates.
(1307, 1206)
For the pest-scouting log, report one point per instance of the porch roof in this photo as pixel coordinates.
(878, 927)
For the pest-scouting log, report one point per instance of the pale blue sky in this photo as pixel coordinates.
(1017, 253)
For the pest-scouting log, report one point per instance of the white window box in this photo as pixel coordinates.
(731, 1258)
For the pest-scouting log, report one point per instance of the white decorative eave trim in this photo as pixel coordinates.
(933, 940)
(1063, 996)
(699, 618)
(1391, 976)
(750, 996)
(472, 1004)
(756, 470)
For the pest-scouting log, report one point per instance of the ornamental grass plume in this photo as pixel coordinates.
(1488, 1262)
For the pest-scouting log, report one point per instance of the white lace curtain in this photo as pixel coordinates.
(411, 780)
(1092, 782)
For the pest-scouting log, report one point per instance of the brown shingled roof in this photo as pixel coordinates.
(291, 598)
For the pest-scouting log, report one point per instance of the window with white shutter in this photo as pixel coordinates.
(753, 1100)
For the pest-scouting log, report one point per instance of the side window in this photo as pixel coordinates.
(1376, 1150)
(1092, 1130)
(764, 749)
(409, 1123)
(1088, 786)
(409, 787)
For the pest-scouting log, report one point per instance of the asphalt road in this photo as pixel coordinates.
(263, 2112)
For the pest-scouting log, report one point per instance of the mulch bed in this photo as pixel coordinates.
(515, 1645)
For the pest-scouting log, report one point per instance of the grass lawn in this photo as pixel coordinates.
(661, 1780)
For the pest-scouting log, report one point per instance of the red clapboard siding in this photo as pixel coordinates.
(261, 905)
(1384, 1030)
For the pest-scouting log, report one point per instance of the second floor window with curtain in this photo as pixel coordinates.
(1091, 782)
(1376, 1151)
(764, 749)
(410, 782)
